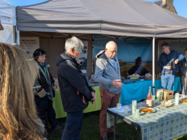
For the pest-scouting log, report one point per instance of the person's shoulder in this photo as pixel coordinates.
(100, 61)
(67, 64)
(64, 63)
(141, 66)
(174, 51)
(162, 55)
(47, 65)
(132, 67)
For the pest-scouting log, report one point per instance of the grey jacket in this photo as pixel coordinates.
(105, 73)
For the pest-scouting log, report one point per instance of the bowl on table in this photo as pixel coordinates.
(147, 110)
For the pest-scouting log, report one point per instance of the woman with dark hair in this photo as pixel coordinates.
(183, 73)
(45, 94)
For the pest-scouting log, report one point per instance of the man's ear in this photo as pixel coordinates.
(105, 49)
(72, 50)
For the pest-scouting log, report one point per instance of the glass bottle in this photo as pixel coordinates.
(149, 102)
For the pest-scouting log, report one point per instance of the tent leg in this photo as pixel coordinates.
(18, 37)
(153, 65)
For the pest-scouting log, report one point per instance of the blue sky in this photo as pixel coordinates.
(180, 5)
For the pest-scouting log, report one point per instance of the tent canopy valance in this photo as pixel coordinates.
(112, 17)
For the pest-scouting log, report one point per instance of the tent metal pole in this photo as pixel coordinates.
(153, 65)
(17, 37)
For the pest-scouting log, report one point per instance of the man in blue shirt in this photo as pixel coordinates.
(168, 63)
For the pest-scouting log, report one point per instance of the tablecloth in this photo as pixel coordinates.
(138, 91)
(164, 124)
(135, 91)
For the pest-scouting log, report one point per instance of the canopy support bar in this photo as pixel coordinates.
(153, 65)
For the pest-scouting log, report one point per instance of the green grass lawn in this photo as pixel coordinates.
(90, 129)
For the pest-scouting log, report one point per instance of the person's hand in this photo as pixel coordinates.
(94, 97)
(54, 87)
(167, 67)
(117, 83)
(176, 61)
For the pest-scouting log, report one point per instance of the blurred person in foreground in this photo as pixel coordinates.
(18, 117)
(107, 73)
(74, 88)
(45, 94)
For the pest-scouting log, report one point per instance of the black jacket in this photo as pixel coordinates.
(42, 81)
(74, 88)
(181, 66)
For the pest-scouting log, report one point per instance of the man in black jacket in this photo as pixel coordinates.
(74, 88)
(44, 95)
(183, 73)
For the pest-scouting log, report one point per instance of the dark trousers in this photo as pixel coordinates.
(46, 111)
(73, 126)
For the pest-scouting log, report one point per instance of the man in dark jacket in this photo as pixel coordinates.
(168, 63)
(138, 68)
(44, 95)
(183, 73)
(74, 88)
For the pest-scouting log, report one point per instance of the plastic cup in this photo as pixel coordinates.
(137, 113)
(118, 106)
(134, 105)
(126, 109)
(177, 99)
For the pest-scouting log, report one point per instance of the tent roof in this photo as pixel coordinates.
(158, 2)
(7, 13)
(114, 17)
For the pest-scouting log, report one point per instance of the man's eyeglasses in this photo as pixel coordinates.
(113, 51)
(80, 50)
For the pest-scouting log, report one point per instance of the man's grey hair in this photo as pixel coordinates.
(73, 42)
(165, 45)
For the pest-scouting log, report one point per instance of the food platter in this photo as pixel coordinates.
(147, 110)
(184, 101)
(167, 103)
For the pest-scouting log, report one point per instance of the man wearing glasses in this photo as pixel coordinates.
(74, 88)
(107, 73)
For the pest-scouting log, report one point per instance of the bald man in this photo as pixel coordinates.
(107, 73)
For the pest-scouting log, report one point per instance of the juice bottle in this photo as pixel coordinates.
(149, 102)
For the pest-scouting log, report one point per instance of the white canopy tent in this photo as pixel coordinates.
(8, 20)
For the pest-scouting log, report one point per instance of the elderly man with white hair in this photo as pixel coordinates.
(107, 73)
(74, 88)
